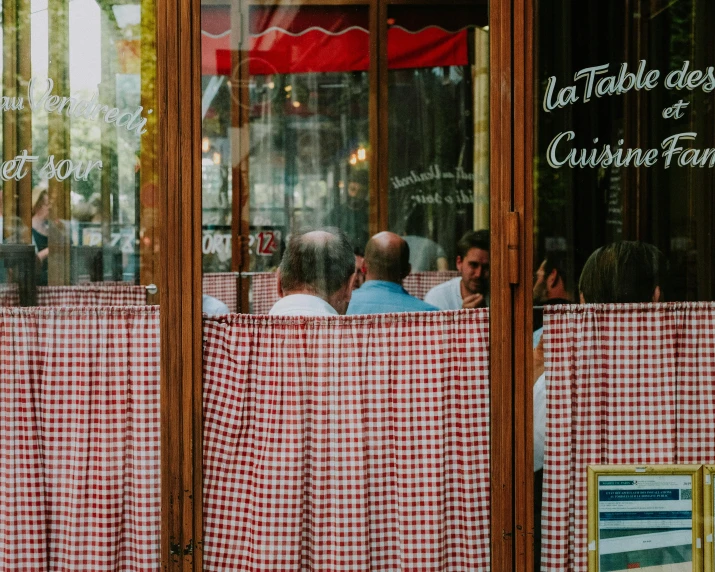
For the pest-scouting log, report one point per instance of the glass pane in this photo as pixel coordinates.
(79, 374)
(83, 126)
(300, 86)
(438, 120)
(623, 194)
(287, 128)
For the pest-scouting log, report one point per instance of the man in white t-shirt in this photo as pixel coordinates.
(316, 274)
(471, 289)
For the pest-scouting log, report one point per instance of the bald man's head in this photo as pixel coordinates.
(319, 261)
(387, 257)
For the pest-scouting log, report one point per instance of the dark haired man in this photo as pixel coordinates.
(549, 288)
(471, 288)
(387, 263)
(623, 272)
(316, 274)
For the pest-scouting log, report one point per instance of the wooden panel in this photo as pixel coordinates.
(523, 296)
(307, 2)
(379, 112)
(501, 350)
(178, 88)
(148, 177)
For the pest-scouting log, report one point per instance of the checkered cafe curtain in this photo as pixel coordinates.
(419, 283)
(347, 442)
(223, 286)
(95, 294)
(264, 291)
(626, 384)
(79, 439)
(9, 295)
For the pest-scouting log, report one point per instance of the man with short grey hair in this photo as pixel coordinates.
(316, 274)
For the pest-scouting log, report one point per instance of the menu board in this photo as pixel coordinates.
(709, 514)
(644, 518)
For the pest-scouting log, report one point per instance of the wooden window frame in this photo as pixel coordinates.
(178, 171)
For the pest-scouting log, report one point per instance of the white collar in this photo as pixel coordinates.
(302, 305)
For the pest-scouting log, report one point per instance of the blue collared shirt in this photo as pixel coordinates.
(381, 297)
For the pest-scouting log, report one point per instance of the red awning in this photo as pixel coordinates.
(322, 39)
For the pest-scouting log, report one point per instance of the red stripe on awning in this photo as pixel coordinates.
(343, 46)
(431, 47)
(312, 51)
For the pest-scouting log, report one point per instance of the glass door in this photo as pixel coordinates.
(622, 215)
(366, 116)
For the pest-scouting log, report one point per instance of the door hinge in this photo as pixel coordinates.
(513, 246)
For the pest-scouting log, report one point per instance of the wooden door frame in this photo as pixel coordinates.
(178, 91)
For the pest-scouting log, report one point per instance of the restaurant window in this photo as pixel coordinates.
(291, 139)
(438, 124)
(623, 166)
(79, 337)
(78, 124)
(301, 84)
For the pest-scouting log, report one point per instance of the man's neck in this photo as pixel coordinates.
(369, 277)
(304, 293)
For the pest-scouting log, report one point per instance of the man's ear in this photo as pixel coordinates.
(279, 288)
(459, 263)
(351, 282)
(657, 294)
(581, 298)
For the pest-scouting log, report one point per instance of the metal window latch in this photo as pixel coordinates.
(513, 246)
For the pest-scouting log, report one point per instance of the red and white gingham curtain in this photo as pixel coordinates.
(626, 384)
(419, 283)
(96, 294)
(9, 295)
(79, 439)
(223, 286)
(347, 443)
(264, 292)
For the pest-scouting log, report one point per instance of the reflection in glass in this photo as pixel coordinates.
(579, 210)
(305, 100)
(438, 129)
(84, 121)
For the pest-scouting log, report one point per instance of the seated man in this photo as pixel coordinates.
(386, 265)
(316, 274)
(471, 289)
(622, 272)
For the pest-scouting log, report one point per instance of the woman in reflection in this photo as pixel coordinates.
(40, 225)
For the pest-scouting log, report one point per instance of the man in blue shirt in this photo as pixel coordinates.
(387, 263)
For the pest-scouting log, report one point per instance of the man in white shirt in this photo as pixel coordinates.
(471, 289)
(316, 274)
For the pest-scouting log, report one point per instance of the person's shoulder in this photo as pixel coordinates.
(422, 306)
(213, 306)
(444, 286)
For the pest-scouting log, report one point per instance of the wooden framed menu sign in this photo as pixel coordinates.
(709, 515)
(645, 518)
